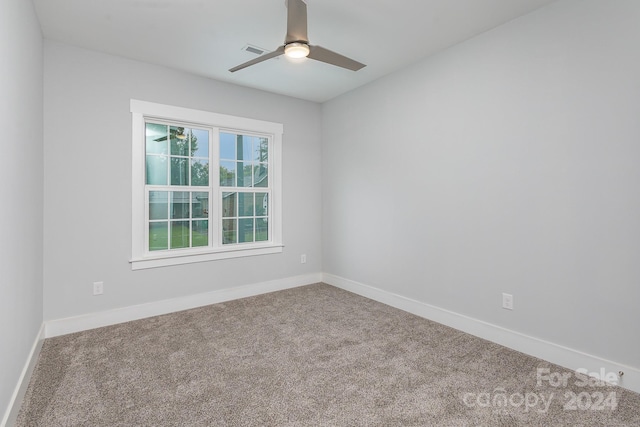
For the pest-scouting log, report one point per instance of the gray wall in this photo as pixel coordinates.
(509, 163)
(87, 227)
(20, 189)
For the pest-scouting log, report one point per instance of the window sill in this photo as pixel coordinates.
(177, 258)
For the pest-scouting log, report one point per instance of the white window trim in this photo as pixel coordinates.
(141, 110)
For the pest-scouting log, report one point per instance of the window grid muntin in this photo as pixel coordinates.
(252, 162)
(214, 163)
(237, 216)
(169, 218)
(170, 188)
(169, 156)
(244, 189)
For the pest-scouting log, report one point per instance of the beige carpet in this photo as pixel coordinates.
(311, 356)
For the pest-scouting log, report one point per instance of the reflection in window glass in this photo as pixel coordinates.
(261, 150)
(262, 204)
(200, 172)
(176, 155)
(227, 174)
(245, 230)
(180, 141)
(227, 146)
(244, 160)
(245, 204)
(156, 139)
(180, 204)
(200, 233)
(244, 179)
(188, 224)
(200, 205)
(250, 212)
(158, 205)
(229, 231)
(200, 143)
(260, 175)
(244, 165)
(158, 236)
(179, 234)
(179, 171)
(262, 229)
(229, 205)
(243, 147)
(156, 170)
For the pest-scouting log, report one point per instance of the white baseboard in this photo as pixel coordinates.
(11, 414)
(111, 317)
(554, 353)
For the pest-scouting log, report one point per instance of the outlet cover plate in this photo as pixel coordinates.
(507, 301)
(98, 288)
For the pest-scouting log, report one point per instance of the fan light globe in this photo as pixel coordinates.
(296, 50)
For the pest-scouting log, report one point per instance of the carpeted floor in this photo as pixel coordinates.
(314, 355)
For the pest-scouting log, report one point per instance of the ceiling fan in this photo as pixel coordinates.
(296, 43)
(174, 132)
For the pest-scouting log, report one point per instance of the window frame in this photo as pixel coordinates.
(141, 258)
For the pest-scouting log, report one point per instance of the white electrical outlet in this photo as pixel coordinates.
(507, 301)
(303, 259)
(98, 288)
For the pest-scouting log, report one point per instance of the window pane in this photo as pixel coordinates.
(228, 174)
(158, 205)
(245, 204)
(229, 231)
(244, 178)
(156, 170)
(179, 234)
(199, 143)
(227, 146)
(200, 172)
(158, 236)
(245, 230)
(262, 204)
(200, 233)
(260, 175)
(156, 136)
(262, 229)
(200, 205)
(261, 150)
(179, 171)
(243, 147)
(179, 204)
(229, 205)
(179, 141)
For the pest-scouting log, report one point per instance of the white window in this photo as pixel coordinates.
(206, 186)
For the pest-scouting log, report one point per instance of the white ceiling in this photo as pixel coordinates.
(206, 37)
